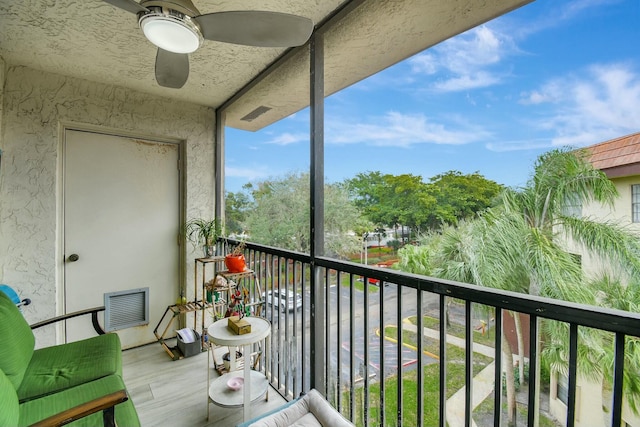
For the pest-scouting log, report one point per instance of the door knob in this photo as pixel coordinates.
(73, 258)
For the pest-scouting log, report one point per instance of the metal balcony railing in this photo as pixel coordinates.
(356, 337)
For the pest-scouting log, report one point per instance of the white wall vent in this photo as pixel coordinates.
(126, 309)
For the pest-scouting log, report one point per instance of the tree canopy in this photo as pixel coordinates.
(279, 215)
(460, 196)
(276, 211)
(236, 206)
(391, 200)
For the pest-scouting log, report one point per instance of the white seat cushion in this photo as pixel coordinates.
(311, 410)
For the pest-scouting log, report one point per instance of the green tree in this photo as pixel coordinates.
(280, 216)
(459, 196)
(362, 229)
(369, 192)
(516, 245)
(380, 234)
(405, 200)
(236, 206)
(391, 200)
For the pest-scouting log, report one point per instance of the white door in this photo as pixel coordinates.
(121, 219)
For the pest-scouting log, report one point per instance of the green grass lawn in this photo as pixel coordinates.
(486, 408)
(345, 281)
(431, 386)
(457, 330)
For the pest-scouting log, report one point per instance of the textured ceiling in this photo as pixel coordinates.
(374, 36)
(93, 40)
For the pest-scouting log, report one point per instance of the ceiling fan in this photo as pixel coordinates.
(177, 28)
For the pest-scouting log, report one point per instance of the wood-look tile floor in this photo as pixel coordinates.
(174, 393)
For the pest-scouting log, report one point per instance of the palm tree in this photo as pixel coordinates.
(516, 246)
(563, 177)
(456, 253)
(595, 350)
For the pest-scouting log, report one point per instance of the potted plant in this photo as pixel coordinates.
(234, 260)
(204, 233)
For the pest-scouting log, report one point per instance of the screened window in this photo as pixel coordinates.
(635, 203)
(563, 389)
(572, 206)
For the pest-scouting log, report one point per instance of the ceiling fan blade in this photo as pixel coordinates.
(256, 28)
(172, 69)
(128, 5)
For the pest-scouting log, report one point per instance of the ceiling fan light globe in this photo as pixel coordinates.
(172, 33)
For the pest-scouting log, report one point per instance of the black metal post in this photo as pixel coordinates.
(318, 362)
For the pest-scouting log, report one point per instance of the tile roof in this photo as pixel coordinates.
(623, 151)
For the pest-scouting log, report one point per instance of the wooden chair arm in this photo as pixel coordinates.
(104, 403)
(94, 319)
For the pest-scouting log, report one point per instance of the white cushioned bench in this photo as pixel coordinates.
(310, 410)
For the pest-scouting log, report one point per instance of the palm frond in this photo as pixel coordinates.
(560, 176)
(608, 240)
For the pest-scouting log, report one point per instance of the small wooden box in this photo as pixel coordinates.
(238, 326)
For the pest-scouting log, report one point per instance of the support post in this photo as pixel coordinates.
(316, 173)
(219, 166)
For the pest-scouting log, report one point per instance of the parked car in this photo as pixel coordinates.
(285, 301)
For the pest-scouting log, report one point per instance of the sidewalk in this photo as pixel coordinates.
(482, 385)
(458, 342)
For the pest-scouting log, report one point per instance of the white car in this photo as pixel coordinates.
(285, 301)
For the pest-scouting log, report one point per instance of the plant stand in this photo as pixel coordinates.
(175, 310)
(210, 300)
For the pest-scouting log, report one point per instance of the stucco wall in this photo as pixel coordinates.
(589, 394)
(589, 411)
(34, 104)
(619, 213)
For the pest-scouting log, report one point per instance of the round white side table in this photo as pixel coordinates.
(255, 383)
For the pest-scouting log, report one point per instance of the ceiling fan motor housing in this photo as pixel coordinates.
(184, 6)
(170, 29)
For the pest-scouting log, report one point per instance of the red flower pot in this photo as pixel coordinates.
(235, 263)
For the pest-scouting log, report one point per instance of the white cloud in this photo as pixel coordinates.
(601, 103)
(468, 81)
(552, 92)
(289, 138)
(465, 61)
(475, 49)
(471, 60)
(402, 130)
(424, 63)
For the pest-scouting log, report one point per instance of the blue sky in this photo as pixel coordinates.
(553, 73)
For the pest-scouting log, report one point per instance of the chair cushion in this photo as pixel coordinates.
(307, 420)
(67, 365)
(324, 412)
(311, 410)
(46, 406)
(9, 412)
(18, 341)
